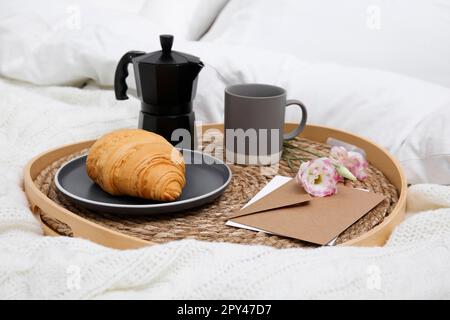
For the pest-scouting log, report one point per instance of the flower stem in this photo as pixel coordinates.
(310, 152)
(289, 146)
(290, 159)
(289, 156)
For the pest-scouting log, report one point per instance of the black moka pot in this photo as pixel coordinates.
(166, 83)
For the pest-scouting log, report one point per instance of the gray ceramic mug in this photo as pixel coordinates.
(254, 123)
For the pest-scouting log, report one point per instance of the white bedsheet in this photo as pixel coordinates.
(34, 119)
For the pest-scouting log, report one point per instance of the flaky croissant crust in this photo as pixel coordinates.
(137, 163)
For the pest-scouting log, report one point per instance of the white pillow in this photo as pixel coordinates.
(63, 43)
(188, 19)
(425, 154)
(404, 36)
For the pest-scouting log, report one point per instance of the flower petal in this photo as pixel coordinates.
(351, 160)
(318, 177)
(358, 165)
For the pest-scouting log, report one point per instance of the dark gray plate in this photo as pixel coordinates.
(206, 179)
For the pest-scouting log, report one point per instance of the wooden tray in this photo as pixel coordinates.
(84, 228)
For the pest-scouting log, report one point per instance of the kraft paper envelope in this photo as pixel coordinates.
(292, 194)
(289, 211)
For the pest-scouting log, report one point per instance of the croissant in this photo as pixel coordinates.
(137, 163)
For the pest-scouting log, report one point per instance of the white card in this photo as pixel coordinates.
(273, 184)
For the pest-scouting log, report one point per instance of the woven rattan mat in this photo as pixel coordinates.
(208, 222)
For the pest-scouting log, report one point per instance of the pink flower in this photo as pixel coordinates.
(318, 177)
(339, 154)
(353, 161)
(357, 165)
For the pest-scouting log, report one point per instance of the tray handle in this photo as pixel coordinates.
(48, 230)
(37, 212)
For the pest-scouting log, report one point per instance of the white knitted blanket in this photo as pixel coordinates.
(414, 263)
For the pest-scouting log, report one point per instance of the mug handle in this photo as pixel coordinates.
(301, 126)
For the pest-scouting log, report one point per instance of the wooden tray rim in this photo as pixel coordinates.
(87, 229)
